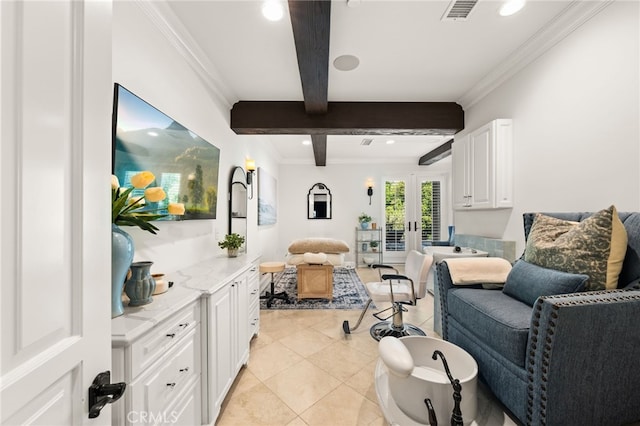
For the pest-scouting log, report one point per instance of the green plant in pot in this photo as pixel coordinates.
(374, 245)
(232, 242)
(364, 220)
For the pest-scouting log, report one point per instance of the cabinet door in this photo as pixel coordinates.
(482, 170)
(241, 315)
(221, 363)
(460, 166)
(504, 163)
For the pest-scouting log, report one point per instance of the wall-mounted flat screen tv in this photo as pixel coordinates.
(185, 165)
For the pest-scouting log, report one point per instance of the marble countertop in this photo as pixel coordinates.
(189, 284)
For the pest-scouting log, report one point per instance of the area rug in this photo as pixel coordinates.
(348, 292)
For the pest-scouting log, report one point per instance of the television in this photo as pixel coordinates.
(185, 165)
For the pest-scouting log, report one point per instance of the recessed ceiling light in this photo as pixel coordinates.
(390, 141)
(151, 133)
(511, 6)
(306, 142)
(273, 10)
(346, 62)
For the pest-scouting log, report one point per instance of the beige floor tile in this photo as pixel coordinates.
(272, 359)
(312, 317)
(342, 407)
(363, 381)
(306, 342)
(279, 325)
(257, 407)
(297, 422)
(302, 385)
(340, 360)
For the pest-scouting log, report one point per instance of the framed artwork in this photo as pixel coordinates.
(185, 165)
(267, 198)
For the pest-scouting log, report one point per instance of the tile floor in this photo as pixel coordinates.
(303, 370)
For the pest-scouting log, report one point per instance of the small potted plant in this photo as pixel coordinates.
(364, 220)
(374, 245)
(232, 242)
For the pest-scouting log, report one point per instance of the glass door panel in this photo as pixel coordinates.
(395, 220)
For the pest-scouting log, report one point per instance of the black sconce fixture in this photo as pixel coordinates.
(250, 166)
(369, 189)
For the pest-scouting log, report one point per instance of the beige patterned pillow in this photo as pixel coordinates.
(595, 247)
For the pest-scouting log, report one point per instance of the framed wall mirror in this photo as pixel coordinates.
(319, 202)
(238, 204)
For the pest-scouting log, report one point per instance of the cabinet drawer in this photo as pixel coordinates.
(162, 337)
(160, 387)
(188, 409)
(254, 320)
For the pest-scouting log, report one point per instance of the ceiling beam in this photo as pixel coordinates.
(311, 22)
(347, 118)
(437, 154)
(320, 149)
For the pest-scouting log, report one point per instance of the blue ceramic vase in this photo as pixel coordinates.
(141, 285)
(121, 258)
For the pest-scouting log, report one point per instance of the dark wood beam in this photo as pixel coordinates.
(437, 154)
(347, 118)
(311, 21)
(319, 149)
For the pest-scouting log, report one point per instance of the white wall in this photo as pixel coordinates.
(348, 185)
(146, 64)
(576, 126)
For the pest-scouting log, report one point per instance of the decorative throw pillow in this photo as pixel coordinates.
(595, 247)
(318, 245)
(526, 282)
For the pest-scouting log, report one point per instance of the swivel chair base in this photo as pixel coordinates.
(385, 328)
(270, 296)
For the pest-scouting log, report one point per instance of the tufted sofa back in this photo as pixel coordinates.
(630, 274)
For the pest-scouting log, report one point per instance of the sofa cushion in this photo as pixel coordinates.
(500, 321)
(526, 282)
(595, 246)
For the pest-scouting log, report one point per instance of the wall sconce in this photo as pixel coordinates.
(250, 167)
(369, 189)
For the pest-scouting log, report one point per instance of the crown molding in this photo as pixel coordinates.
(163, 18)
(570, 19)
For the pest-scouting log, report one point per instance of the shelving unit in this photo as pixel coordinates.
(365, 254)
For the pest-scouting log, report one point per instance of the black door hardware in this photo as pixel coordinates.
(103, 392)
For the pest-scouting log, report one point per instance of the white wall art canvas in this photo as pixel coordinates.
(267, 198)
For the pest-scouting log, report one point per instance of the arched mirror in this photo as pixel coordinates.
(238, 204)
(319, 202)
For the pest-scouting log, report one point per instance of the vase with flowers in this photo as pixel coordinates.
(128, 210)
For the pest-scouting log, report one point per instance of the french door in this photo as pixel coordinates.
(415, 212)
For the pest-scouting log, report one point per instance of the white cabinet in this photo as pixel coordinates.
(233, 318)
(483, 167)
(160, 362)
(180, 354)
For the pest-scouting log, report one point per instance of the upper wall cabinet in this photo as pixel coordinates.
(483, 168)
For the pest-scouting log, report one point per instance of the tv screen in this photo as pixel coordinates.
(185, 165)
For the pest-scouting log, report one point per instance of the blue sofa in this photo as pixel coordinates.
(571, 359)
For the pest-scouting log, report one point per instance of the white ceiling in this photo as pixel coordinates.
(406, 54)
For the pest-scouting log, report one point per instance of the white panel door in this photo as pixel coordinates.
(55, 120)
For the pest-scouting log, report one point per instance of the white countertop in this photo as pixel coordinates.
(189, 284)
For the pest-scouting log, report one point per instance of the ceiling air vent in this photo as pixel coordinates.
(458, 10)
(366, 142)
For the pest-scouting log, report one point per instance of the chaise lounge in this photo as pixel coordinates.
(563, 359)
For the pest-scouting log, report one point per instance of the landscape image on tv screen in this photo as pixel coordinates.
(185, 165)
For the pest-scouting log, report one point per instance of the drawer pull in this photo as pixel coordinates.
(254, 292)
(171, 385)
(172, 335)
(184, 370)
(185, 325)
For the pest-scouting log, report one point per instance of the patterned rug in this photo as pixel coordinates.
(348, 292)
